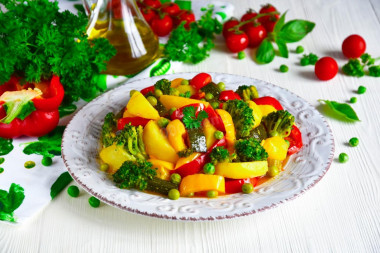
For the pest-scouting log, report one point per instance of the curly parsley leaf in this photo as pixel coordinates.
(10, 201)
(190, 119)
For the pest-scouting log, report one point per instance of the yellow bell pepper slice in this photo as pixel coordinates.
(276, 147)
(230, 128)
(170, 101)
(186, 88)
(159, 163)
(209, 131)
(176, 133)
(176, 82)
(201, 182)
(242, 170)
(257, 114)
(266, 109)
(115, 156)
(127, 114)
(183, 160)
(139, 106)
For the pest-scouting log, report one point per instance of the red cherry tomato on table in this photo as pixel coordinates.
(162, 26)
(353, 46)
(250, 14)
(326, 68)
(200, 80)
(228, 25)
(153, 3)
(186, 16)
(267, 100)
(170, 8)
(149, 14)
(268, 9)
(237, 42)
(256, 34)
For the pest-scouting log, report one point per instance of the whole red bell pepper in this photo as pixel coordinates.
(134, 121)
(228, 95)
(235, 185)
(295, 140)
(269, 101)
(29, 109)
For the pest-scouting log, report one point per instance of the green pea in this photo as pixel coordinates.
(185, 82)
(218, 135)
(304, 61)
(209, 96)
(158, 93)
(152, 100)
(73, 191)
(343, 157)
(132, 92)
(241, 55)
(175, 178)
(163, 122)
(46, 161)
(284, 68)
(191, 194)
(104, 167)
(273, 171)
(215, 105)
(247, 188)
(173, 194)
(204, 100)
(29, 164)
(2, 159)
(94, 202)
(299, 50)
(354, 142)
(174, 92)
(173, 109)
(353, 100)
(362, 90)
(209, 168)
(221, 86)
(1, 170)
(212, 194)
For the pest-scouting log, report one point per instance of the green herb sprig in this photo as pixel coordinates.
(190, 119)
(357, 67)
(10, 201)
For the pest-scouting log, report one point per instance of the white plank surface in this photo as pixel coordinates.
(340, 214)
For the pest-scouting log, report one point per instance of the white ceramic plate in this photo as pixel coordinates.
(80, 148)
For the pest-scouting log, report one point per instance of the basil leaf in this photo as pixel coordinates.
(342, 109)
(265, 52)
(295, 30)
(15, 197)
(280, 23)
(62, 181)
(282, 48)
(6, 146)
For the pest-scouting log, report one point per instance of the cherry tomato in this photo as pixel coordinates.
(170, 8)
(247, 16)
(268, 101)
(237, 42)
(353, 46)
(269, 25)
(162, 26)
(149, 14)
(255, 34)
(187, 16)
(229, 24)
(200, 80)
(326, 68)
(153, 3)
(267, 9)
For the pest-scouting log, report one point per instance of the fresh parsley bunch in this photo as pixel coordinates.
(37, 41)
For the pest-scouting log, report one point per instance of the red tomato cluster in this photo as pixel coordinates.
(164, 17)
(251, 30)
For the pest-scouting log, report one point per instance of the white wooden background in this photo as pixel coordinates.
(340, 214)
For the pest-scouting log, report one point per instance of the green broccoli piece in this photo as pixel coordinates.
(108, 128)
(309, 59)
(164, 86)
(279, 123)
(219, 154)
(249, 150)
(374, 71)
(353, 68)
(367, 59)
(131, 138)
(241, 116)
(247, 92)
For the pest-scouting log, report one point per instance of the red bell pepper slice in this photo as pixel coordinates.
(228, 95)
(234, 185)
(178, 114)
(269, 101)
(200, 80)
(147, 90)
(295, 140)
(134, 121)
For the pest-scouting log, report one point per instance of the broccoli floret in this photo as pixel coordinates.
(249, 150)
(242, 116)
(219, 154)
(164, 86)
(367, 59)
(309, 59)
(247, 92)
(279, 123)
(108, 128)
(131, 138)
(374, 71)
(353, 68)
(134, 174)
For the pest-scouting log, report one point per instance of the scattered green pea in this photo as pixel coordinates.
(172, 110)
(343, 157)
(29, 164)
(353, 100)
(299, 50)
(173, 194)
(218, 135)
(94, 202)
(185, 82)
(2, 159)
(104, 167)
(174, 92)
(273, 171)
(353, 142)
(284, 68)
(1, 170)
(152, 100)
(209, 168)
(175, 178)
(215, 105)
(247, 188)
(73, 191)
(209, 96)
(163, 122)
(212, 194)
(46, 161)
(158, 92)
(362, 90)
(132, 92)
(221, 86)
(241, 55)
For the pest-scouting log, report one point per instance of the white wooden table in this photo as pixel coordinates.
(340, 214)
